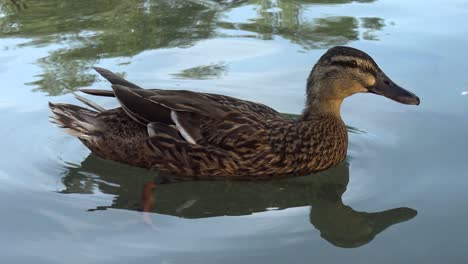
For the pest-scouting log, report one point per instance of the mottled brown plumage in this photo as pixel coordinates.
(209, 136)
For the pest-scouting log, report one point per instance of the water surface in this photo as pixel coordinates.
(400, 197)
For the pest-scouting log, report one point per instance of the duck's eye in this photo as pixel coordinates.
(345, 63)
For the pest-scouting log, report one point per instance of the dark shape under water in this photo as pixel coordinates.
(338, 223)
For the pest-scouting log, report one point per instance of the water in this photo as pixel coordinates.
(399, 198)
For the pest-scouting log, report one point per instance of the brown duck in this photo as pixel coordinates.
(206, 136)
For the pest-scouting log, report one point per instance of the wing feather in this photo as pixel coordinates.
(114, 78)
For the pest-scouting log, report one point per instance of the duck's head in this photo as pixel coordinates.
(344, 71)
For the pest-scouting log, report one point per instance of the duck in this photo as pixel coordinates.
(205, 136)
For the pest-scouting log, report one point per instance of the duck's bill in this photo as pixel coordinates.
(386, 87)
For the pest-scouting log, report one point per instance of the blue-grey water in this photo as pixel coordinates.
(401, 196)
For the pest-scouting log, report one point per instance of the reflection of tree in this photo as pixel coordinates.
(285, 18)
(338, 223)
(61, 76)
(129, 27)
(203, 72)
(8, 6)
(90, 30)
(85, 31)
(372, 24)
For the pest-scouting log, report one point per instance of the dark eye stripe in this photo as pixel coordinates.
(350, 63)
(353, 64)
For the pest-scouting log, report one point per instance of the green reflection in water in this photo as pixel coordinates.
(285, 19)
(9, 6)
(338, 223)
(203, 72)
(86, 31)
(372, 24)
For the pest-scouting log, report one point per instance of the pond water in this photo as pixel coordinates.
(400, 197)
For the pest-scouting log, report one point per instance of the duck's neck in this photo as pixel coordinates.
(319, 107)
(321, 101)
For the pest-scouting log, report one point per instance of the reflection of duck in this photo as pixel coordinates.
(338, 223)
(208, 136)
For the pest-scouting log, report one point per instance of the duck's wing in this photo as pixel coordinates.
(198, 119)
(146, 106)
(247, 107)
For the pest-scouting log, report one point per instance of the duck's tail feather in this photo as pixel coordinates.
(89, 103)
(77, 121)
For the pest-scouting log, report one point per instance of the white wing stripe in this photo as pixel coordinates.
(182, 131)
